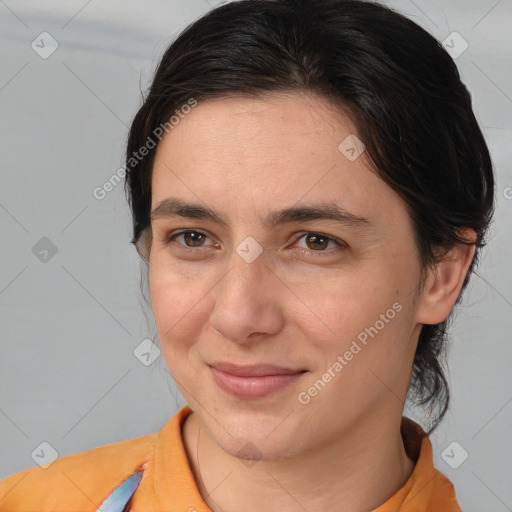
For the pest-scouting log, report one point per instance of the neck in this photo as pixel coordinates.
(355, 472)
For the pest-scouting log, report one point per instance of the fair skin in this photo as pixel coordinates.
(300, 304)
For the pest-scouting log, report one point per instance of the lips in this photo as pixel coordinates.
(253, 381)
(256, 370)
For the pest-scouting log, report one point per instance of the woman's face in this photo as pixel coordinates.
(330, 302)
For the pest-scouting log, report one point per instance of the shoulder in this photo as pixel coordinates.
(78, 482)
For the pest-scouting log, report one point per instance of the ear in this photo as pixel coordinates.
(444, 282)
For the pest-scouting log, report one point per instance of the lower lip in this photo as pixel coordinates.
(253, 387)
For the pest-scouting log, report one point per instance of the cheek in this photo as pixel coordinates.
(366, 317)
(179, 303)
(342, 306)
(363, 351)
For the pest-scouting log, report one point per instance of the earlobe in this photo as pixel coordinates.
(444, 282)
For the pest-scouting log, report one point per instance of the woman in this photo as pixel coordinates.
(310, 198)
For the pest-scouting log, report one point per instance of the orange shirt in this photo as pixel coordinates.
(82, 481)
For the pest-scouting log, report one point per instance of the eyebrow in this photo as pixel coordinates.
(174, 207)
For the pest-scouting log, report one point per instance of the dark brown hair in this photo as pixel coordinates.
(403, 93)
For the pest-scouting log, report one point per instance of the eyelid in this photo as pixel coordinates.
(340, 243)
(325, 235)
(171, 236)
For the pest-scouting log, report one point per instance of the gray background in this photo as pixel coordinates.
(70, 323)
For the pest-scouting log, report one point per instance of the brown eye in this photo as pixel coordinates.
(190, 238)
(193, 238)
(316, 241)
(317, 244)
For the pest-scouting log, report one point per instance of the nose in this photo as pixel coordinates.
(247, 301)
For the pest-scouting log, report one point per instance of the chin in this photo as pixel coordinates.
(251, 449)
(253, 435)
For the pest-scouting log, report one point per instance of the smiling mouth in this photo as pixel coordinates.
(255, 381)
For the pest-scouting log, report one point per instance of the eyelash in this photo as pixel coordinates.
(339, 243)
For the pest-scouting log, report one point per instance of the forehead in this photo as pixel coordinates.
(249, 154)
